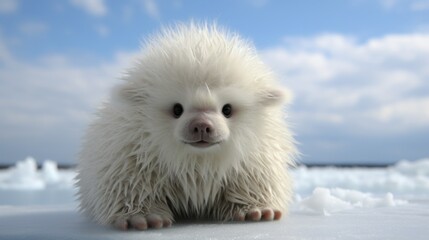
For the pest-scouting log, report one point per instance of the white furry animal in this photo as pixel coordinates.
(195, 130)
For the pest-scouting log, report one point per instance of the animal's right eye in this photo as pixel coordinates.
(227, 110)
(177, 110)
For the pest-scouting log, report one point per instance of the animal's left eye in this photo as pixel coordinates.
(177, 110)
(227, 110)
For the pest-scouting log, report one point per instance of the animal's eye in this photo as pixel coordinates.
(227, 110)
(177, 110)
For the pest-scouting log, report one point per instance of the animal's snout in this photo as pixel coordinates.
(203, 131)
(203, 127)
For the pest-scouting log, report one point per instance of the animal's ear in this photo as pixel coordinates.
(275, 96)
(128, 94)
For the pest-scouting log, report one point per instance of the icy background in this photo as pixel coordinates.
(329, 203)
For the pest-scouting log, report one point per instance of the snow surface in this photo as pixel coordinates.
(329, 203)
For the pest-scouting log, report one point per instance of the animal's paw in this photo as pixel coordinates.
(258, 214)
(142, 222)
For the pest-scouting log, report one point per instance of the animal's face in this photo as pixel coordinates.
(203, 127)
(205, 119)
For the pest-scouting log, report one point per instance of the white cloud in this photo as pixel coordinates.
(53, 92)
(33, 28)
(94, 7)
(151, 9)
(377, 85)
(413, 111)
(8, 6)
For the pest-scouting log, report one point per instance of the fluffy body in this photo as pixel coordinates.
(137, 166)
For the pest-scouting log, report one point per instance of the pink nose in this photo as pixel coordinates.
(200, 127)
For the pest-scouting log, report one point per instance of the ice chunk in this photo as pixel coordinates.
(50, 172)
(323, 202)
(326, 201)
(23, 176)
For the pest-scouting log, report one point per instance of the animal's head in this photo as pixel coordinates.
(200, 91)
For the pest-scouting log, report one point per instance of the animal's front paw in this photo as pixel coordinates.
(258, 214)
(142, 222)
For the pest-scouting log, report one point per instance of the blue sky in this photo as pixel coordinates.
(359, 69)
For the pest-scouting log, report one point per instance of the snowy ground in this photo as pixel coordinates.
(330, 203)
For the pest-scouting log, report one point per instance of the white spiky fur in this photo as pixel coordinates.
(131, 161)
